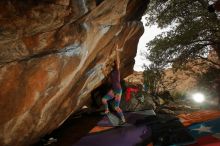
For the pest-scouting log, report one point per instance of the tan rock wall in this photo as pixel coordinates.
(183, 81)
(51, 57)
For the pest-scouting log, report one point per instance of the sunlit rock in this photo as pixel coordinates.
(52, 55)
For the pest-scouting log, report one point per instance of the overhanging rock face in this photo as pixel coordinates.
(51, 56)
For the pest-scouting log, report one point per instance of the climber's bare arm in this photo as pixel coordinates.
(117, 57)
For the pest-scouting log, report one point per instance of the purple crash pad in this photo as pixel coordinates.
(131, 117)
(122, 136)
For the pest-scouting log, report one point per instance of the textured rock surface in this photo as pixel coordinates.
(182, 80)
(136, 78)
(187, 80)
(51, 56)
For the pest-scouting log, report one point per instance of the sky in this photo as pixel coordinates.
(149, 34)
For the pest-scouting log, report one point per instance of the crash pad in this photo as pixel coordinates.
(131, 118)
(206, 133)
(199, 116)
(122, 136)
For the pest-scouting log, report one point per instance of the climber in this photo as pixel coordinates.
(116, 90)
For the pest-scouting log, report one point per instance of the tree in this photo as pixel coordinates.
(152, 76)
(209, 81)
(194, 30)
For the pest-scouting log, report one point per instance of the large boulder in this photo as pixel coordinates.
(52, 53)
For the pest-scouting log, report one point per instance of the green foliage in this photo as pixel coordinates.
(152, 76)
(179, 95)
(193, 31)
(208, 81)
